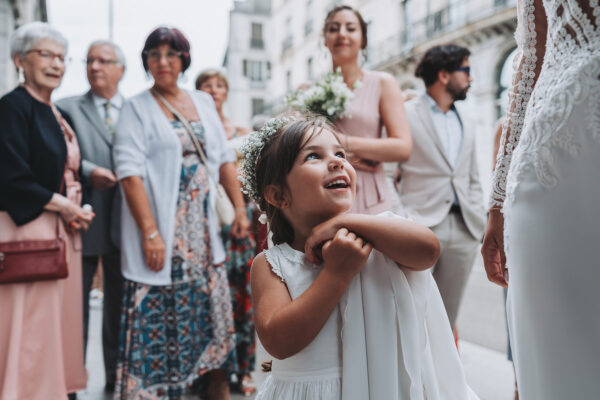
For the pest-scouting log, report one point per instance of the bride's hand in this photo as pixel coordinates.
(492, 250)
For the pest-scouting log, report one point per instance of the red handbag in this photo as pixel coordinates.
(32, 252)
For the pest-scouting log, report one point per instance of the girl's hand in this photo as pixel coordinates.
(154, 252)
(492, 250)
(320, 234)
(240, 225)
(345, 254)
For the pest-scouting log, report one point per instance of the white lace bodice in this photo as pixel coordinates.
(557, 66)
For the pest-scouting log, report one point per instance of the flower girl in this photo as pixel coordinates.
(342, 301)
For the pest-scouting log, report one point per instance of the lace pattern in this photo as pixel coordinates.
(523, 80)
(536, 125)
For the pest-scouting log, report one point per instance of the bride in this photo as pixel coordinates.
(543, 230)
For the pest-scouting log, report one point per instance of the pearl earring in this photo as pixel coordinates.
(21, 76)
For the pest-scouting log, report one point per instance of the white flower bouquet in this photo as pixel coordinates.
(329, 97)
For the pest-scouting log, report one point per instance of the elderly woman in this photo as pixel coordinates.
(240, 250)
(177, 323)
(41, 346)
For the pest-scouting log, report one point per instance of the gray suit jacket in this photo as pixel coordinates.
(428, 180)
(95, 144)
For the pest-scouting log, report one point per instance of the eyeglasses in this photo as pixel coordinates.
(466, 70)
(103, 61)
(50, 56)
(155, 55)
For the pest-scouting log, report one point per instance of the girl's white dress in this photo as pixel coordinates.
(388, 338)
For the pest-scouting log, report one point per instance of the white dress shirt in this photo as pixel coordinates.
(449, 129)
(115, 106)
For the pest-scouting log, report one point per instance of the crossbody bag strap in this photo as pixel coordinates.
(187, 127)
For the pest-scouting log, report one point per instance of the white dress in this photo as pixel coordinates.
(548, 182)
(388, 338)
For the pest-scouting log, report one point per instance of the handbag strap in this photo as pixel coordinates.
(187, 126)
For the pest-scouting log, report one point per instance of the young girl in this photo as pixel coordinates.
(341, 301)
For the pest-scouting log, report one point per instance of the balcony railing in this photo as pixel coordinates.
(433, 25)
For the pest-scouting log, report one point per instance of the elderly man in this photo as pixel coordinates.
(440, 185)
(94, 115)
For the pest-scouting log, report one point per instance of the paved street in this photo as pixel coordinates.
(481, 328)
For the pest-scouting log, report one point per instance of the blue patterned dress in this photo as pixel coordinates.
(173, 334)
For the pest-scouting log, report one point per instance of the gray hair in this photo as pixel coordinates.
(28, 35)
(118, 52)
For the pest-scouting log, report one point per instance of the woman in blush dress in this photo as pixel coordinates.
(378, 103)
(41, 341)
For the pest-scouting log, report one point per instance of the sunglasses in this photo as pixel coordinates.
(466, 70)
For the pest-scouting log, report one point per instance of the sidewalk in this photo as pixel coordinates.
(488, 372)
(482, 348)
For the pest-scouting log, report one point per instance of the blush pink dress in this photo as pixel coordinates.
(41, 334)
(372, 195)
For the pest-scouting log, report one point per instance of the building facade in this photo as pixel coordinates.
(399, 32)
(14, 13)
(247, 59)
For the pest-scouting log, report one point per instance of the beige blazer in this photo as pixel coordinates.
(429, 182)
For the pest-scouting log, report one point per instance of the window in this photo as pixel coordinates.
(309, 69)
(308, 27)
(437, 21)
(256, 71)
(256, 38)
(258, 105)
(287, 43)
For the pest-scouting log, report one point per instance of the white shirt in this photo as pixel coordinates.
(449, 129)
(115, 106)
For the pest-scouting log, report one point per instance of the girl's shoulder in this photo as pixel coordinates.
(286, 262)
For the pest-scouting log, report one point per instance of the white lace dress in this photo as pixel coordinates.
(548, 182)
(389, 338)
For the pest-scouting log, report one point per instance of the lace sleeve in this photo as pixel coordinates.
(531, 40)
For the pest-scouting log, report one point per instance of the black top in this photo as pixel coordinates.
(33, 153)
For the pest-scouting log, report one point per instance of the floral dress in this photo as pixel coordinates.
(239, 255)
(171, 335)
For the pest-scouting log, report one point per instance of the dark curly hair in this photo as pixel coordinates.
(275, 162)
(361, 22)
(447, 57)
(174, 38)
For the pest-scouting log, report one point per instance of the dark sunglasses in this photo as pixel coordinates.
(466, 70)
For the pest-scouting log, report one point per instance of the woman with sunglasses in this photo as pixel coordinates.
(170, 152)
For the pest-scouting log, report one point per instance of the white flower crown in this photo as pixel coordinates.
(251, 151)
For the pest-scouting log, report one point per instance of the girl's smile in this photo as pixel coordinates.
(321, 183)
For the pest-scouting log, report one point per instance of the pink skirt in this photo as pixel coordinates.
(41, 334)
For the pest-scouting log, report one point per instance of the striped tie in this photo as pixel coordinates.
(110, 125)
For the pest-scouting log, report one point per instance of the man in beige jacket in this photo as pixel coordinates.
(440, 185)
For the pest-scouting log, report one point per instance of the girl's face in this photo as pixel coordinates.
(322, 182)
(343, 36)
(165, 65)
(216, 88)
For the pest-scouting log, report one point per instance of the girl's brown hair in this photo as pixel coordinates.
(275, 162)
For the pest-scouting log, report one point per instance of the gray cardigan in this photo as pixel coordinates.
(146, 146)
